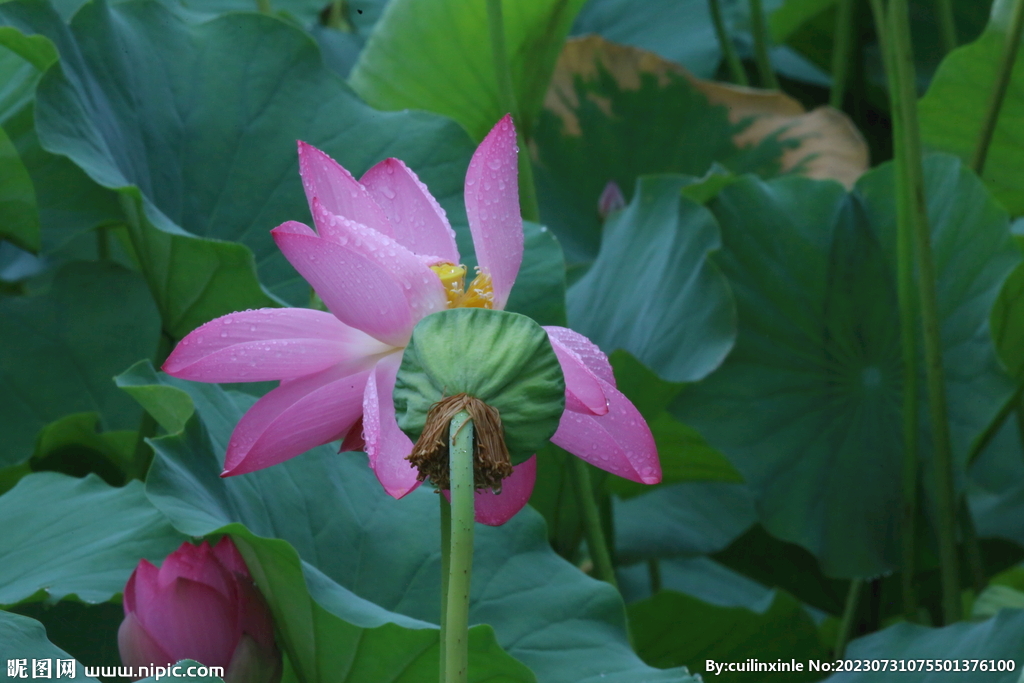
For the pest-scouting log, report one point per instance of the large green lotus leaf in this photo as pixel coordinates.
(355, 539)
(504, 359)
(539, 291)
(808, 405)
(65, 536)
(724, 634)
(86, 632)
(653, 291)
(71, 205)
(203, 150)
(19, 216)
(60, 350)
(331, 634)
(456, 77)
(75, 445)
(957, 101)
(652, 116)
(25, 639)
(692, 519)
(996, 639)
(20, 69)
(680, 31)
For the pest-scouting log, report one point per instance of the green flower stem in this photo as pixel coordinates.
(972, 548)
(142, 454)
(654, 570)
(455, 629)
(995, 103)
(913, 179)
(592, 530)
(264, 6)
(507, 100)
(997, 423)
(849, 613)
(841, 53)
(907, 293)
(103, 242)
(446, 564)
(947, 24)
(764, 64)
(739, 75)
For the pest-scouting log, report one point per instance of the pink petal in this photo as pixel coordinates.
(386, 445)
(356, 289)
(136, 646)
(417, 220)
(141, 586)
(199, 564)
(254, 616)
(229, 557)
(191, 620)
(494, 509)
(353, 440)
(619, 442)
(422, 286)
(492, 206)
(583, 392)
(270, 344)
(296, 416)
(323, 178)
(584, 349)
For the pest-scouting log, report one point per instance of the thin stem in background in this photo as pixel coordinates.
(945, 499)
(993, 428)
(103, 243)
(995, 103)
(760, 31)
(446, 564)
(507, 100)
(654, 571)
(142, 453)
(907, 293)
(596, 542)
(947, 24)
(739, 75)
(264, 6)
(841, 53)
(337, 16)
(972, 548)
(463, 490)
(849, 613)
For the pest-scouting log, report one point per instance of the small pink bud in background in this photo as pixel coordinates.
(611, 200)
(201, 604)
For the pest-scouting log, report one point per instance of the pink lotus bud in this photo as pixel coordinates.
(201, 604)
(611, 199)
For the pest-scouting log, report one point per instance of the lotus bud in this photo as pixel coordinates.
(611, 200)
(201, 604)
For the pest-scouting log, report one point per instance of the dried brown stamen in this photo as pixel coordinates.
(491, 462)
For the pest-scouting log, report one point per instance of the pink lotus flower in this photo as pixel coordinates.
(202, 605)
(383, 256)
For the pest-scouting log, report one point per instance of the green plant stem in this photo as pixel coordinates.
(849, 613)
(460, 568)
(760, 31)
(997, 423)
(654, 570)
(739, 75)
(446, 563)
(142, 454)
(103, 242)
(264, 6)
(907, 293)
(592, 530)
(972, 548)
(507, 100)
(913, 177)
(841, 53)
(995, 102)
(947, 24)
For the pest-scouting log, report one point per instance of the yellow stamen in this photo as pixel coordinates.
(480, 293)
